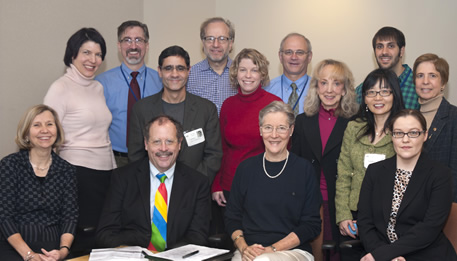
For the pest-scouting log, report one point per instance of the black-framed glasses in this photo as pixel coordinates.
(221, 39)
(289, 52)
(280, 129)
(129, 41)
(411, 134)
(382, 93)
(170, 68)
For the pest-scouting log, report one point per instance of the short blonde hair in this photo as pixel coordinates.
(23, 128)
(257, 58)
(347, 106)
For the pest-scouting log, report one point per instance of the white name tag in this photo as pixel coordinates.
(372, 158)
(194, 137)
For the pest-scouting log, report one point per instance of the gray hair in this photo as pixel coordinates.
(299, 35)
(277, 106)
(215, 20)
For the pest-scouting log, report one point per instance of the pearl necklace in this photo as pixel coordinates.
(44, 168)
(277, 175)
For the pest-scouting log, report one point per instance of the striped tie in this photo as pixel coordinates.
(159, 218)
(293, 99)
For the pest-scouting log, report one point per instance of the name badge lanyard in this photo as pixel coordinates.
(402, 84)
(304, 86)
(128, 84)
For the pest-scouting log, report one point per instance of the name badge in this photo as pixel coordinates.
(194, 137)
(372, 158)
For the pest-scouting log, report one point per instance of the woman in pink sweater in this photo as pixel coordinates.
(79, 101)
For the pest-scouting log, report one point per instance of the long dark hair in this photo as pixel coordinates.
(389, 80)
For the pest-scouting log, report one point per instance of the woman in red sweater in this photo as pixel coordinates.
(240, 116)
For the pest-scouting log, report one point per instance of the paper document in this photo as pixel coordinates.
(202, 254)
(125, 253)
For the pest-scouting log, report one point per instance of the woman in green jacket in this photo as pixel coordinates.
(365, 141)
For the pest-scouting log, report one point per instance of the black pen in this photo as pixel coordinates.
(190, 254)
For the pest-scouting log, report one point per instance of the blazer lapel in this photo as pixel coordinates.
(179, 184)
(438, 123)
(144, 186)
(336, 137)
(311, 129)
(415, 183)
(156, 105)
(387, 182)
(189, 112)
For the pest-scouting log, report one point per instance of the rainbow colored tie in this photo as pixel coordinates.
(159, 217)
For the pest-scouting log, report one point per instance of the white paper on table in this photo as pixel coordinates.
(130, 253)
(179, 252)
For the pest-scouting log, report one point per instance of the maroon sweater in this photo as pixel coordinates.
(239, 121)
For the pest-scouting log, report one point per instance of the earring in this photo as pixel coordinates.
(27, 140)
(366, 108)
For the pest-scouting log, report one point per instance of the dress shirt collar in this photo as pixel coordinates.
(206, 67)
(154, 171)
(300, 82)
(127, 71)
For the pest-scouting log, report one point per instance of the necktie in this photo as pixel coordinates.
(159, 217)
(293, 98)
(135, 88)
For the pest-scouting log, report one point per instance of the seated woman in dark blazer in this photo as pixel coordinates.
(405, 200)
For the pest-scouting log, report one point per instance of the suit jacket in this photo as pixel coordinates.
(126, 217)
(198, 113)
(306, 142)
(441, 144)
(420, 218)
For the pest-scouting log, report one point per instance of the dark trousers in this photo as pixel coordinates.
(92, 188)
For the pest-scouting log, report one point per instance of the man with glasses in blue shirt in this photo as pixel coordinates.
(209, 78)
(295, 54)
(130, 82)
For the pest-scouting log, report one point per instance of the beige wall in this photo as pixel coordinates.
(33, 35)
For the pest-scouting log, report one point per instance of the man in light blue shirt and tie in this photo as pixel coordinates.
(295, 54)
(133, 44)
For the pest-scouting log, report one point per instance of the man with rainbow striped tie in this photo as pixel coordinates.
(156, 202)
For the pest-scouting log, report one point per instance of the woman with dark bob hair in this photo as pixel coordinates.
(38, 206)
(405, 200)
(365, 141)
(318, 134)
(80, 104)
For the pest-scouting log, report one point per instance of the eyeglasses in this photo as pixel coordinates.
(129, 41)
(411, 134)
(383, 93)
(280, 129)
(221, 39)
(289, 52)
(170, 68)
(158, 143)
